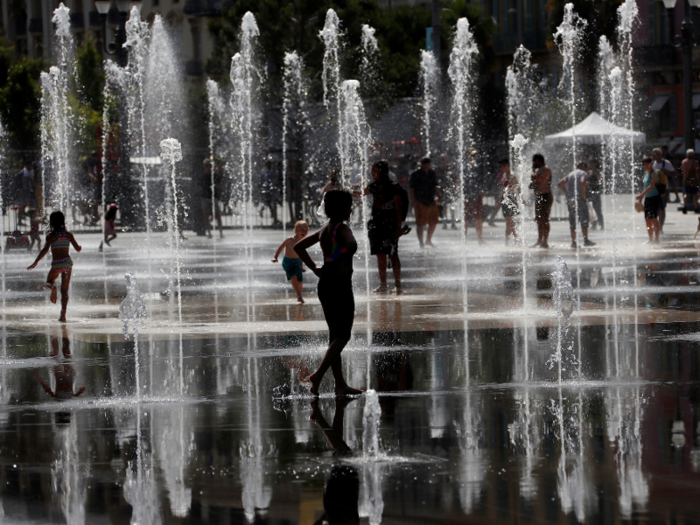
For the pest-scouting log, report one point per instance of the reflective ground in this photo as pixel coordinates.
(205, 420)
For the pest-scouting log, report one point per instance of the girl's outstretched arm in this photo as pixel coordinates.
(303, 245)
(74, 243)
(43, 252)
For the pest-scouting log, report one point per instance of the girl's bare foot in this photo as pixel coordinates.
(313, 383)
(398, 290)
(348, 391)
(300, 299)
(54, 294)
(382, 288)
(62, 318)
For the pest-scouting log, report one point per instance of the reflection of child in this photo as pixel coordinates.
(59, 241)
(291, 262)
(110, 230)
(64, 374)
(334, 285)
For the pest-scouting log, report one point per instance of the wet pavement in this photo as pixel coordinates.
(205, 421)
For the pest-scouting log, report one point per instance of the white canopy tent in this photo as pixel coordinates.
(594, 129)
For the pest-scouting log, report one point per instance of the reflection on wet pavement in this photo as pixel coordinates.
(477, 421)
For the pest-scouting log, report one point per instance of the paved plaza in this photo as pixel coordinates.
(204, 420)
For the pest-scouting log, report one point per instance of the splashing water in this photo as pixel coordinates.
(566, 302)
(293, 116)
(369, 72)
(245, 77)
(132, 310)
(428, 81)
(57, 120)
(330, 34)
(461, 73)
(569, 38)
(370, 418)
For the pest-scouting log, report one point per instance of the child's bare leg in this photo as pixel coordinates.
(381, 266)
(396, 268)
(296, 285)
(65, 283)
(51, 285)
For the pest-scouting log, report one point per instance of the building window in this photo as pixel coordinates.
(664, 112)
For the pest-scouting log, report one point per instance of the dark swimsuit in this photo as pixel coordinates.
(335, 291)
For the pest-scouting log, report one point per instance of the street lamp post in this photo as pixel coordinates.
(685, 41)
(117, 47)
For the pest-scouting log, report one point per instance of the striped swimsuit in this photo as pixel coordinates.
(66, 264)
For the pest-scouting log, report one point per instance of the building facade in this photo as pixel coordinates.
(27, 25)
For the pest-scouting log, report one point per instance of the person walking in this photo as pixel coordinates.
(574, 186)
(595, 187)
(652, 199)
(691, 182)
(384, 227)
(425, 195)
(673, 182)
(541, 182)
(509, 196)
(334, 285)
(663, 165)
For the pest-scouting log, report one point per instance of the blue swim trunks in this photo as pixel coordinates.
(292, 267)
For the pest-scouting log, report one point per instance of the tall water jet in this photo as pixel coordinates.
(520, 93)
(245, 78)
(137, 39)
(461, 73)
(171, 152)
(164, 89)
(429, 86)
(353, 145)
(3, 139)
(294, 119)
(369, 72)
(330, 34)
(57, 119)
(520, 168)
(569, 38)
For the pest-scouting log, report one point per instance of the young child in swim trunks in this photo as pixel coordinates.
(110, 231)
(59, 241)
(291, 262)
(334, 285)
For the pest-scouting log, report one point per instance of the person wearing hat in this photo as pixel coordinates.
(425, 195)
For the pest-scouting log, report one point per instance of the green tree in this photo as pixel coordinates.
(286, 26)
(20, 97)
(90, 85)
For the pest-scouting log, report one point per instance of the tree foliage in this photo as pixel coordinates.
(20, 97)
(286, 26)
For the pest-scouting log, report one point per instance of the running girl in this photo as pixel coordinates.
(334, 285)
(59, 240)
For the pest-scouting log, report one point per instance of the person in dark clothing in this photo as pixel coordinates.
(384, 228)
(334, 286)
(425, 195)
